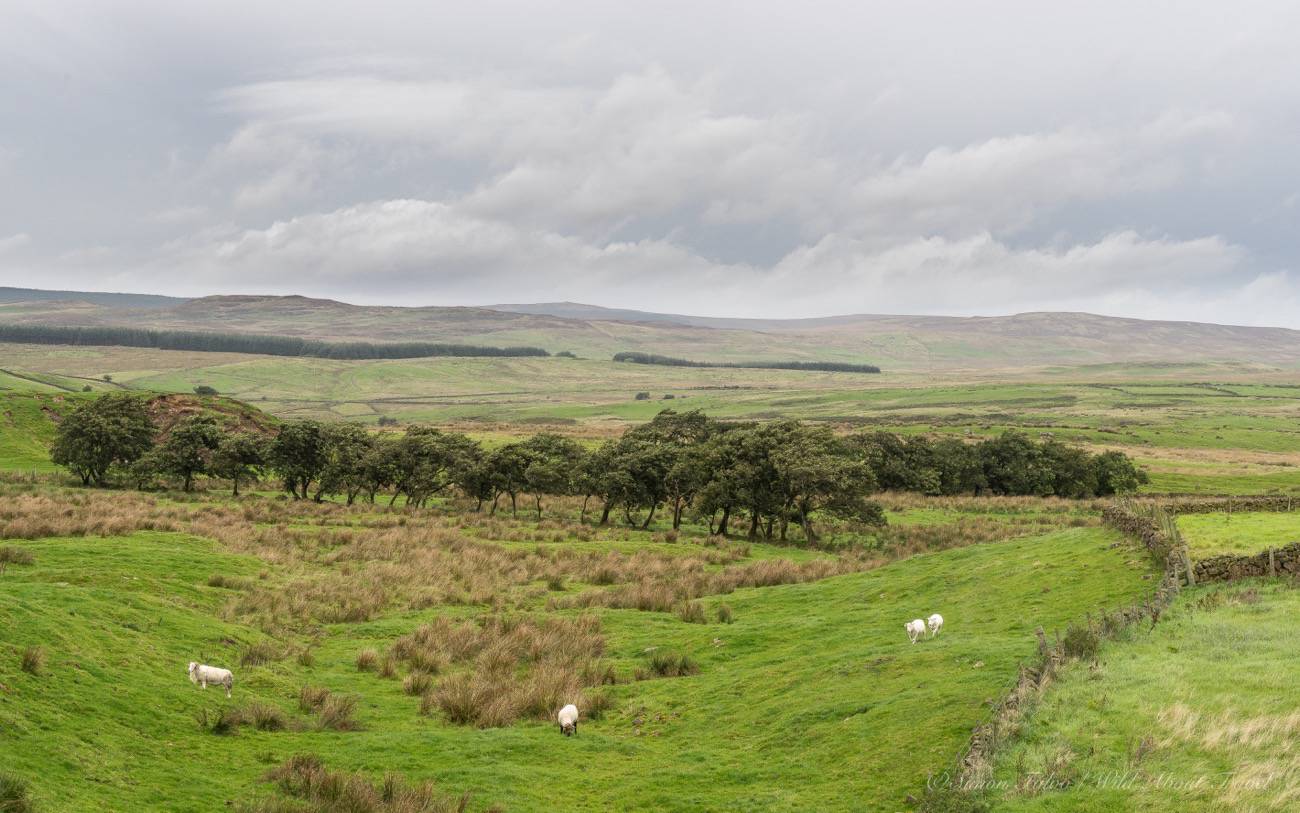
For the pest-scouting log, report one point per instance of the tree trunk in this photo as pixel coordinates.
(806, 522)
(235, 481)
(538, 498)
(754, 519)
(604, 515)
(726, 517)
(649, 516)
(582, 515)
(514, 509)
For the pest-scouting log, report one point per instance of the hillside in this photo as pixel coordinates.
(896, 343)
(741, 731)
(117, 300)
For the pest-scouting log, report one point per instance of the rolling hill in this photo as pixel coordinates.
(897, 343)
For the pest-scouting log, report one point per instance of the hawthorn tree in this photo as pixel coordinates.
(552, 467)
(298, 455)
(113, 429)
(186, 450)
(239, 457)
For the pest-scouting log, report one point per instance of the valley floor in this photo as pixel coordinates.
(812, 699)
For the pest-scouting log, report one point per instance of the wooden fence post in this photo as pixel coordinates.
(1272, 564)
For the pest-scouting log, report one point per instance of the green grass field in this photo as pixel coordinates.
(27, 424)
(1238, 533)
(812, 699)
(1240, 436)
(1195, 715)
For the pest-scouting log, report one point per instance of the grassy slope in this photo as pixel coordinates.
(27, 427)
(812, 699)
(1238, 533)
(1212, 689)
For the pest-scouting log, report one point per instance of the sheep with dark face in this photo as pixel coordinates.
(203, 675)
(568, 719)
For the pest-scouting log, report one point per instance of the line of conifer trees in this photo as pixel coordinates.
(264, 344)
(635, 357)
(767, 475)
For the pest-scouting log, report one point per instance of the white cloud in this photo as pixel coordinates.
(415, 251)
(1008, 182)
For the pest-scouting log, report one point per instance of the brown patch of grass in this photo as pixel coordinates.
(692, 612)
(15, 795)
(265, 717)
(259, 654)
(516, 667)
(667, 663)
(336, 713)
(367, 660)
(417, 683)
(10, 555)
(305, 777)
(228, 582)
(33, 660)
(311, 698)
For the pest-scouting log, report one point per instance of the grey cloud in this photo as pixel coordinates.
(944, 157)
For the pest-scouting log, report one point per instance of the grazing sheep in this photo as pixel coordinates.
(935, 624)
(915, 629)
(568, 718)
(203, 675)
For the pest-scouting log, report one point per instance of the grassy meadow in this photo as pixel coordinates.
(1238, 533)
(1197, 714)
(713, 674)
(1238, 436)
(811, 697)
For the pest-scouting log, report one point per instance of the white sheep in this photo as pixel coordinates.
(568, 719)
(203, 675)
(935, 624)
(915, 629)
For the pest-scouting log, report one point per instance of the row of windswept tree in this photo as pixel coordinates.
(769, 475)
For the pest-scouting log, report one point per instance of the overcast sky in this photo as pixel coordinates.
(739, 159)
